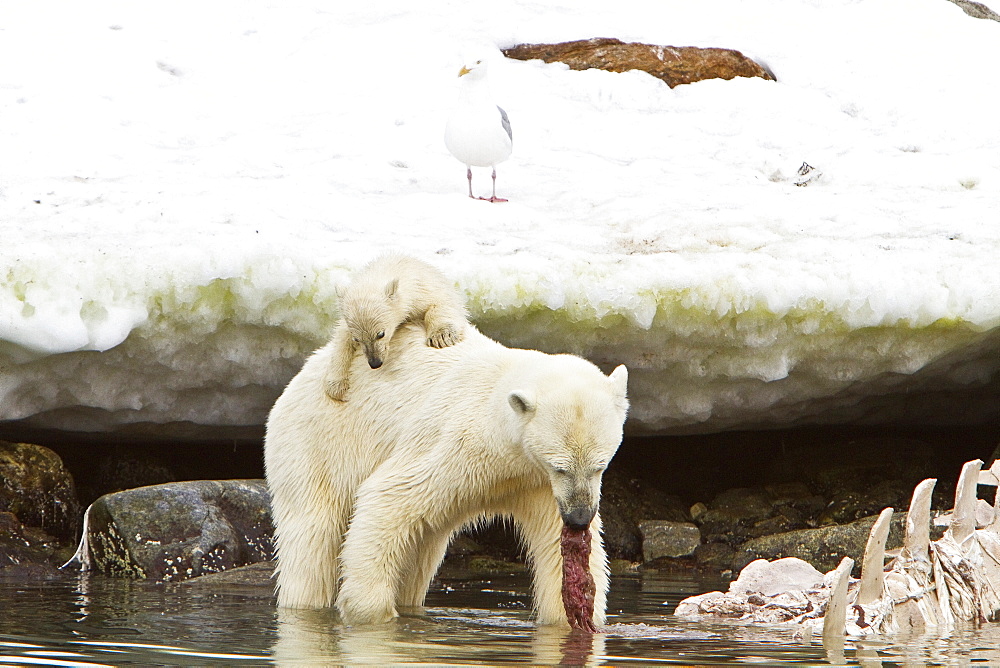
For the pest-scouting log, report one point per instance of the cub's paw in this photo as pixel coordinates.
(337, 389)
(444, 337)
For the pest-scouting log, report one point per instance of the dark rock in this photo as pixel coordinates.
(663, 538)
(737, 514)
(27, 547)
(259, 574)
(128, 470)
(37, 488)
(823, 547)
(181, 530)
(719, 556)
(626, 501)
(847, 506)
(675, 65)
(779, 523)
(32, 572)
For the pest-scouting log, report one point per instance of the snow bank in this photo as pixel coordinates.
(183, 187)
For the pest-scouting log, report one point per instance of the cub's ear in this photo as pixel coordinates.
(522, 402)
(619, 381)
(391, 287)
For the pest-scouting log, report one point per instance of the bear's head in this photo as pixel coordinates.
(372, 320)
(572, 422)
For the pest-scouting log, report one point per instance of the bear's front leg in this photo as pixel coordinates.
(444, 327)
(336, 381)
(393, 511)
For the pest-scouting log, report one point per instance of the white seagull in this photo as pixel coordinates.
(478, 132)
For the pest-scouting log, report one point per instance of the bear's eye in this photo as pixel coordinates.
(559, 470)
(380, 335)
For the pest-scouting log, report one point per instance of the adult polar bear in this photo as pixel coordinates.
(367, 494)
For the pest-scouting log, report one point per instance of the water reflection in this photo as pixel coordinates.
(98, 621)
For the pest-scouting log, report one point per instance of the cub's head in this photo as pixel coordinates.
(372, 319)
(572, 427)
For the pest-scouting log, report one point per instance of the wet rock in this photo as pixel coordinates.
(663, 538)
(256, 575)
(128, 470)
(823, 547)
(24, 547)
(627, 500)
(738, 514)
(38, 489)
(674, 65)
(849, 505)
(719, 556)
(180, 530)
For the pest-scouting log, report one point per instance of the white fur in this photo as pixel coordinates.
(387, 292)
(433, 441)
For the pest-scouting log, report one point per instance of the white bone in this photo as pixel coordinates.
(918, 537)
(873, 564)
(835, 621)
(963, 521)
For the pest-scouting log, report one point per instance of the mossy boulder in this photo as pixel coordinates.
(37, 488)
(180, 530)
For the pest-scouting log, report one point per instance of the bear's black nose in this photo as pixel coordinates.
(578, 518)
(374, 362)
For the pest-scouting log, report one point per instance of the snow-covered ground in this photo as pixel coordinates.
(183, 185)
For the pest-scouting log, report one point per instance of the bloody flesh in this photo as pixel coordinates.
(577, 584)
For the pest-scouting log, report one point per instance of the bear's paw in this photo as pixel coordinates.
(444, 337)
(337, 389)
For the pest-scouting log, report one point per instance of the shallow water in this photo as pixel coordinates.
(92, 620)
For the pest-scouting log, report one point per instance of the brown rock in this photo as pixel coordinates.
(37, 488)
(675, 65)
(662, 538)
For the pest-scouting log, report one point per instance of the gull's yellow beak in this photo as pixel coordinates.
(462, 72)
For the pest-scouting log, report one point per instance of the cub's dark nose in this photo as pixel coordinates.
(374, 362)
(578, 518)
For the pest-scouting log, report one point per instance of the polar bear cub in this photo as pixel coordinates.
(389, 291)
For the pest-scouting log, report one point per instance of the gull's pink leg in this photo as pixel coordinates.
(468, 175)
(494, 198)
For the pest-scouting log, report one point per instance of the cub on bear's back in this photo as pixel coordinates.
(391, 290)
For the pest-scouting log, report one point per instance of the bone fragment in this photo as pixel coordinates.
(873, 564)
(835, 621)
(991, 476)
(994, 471)
(963, 520)
(917, 541)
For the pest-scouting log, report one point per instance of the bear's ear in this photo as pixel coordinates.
(391, 287)
(619, 381)
(522, 402)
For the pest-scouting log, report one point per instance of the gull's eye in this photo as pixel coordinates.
(380, 335)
